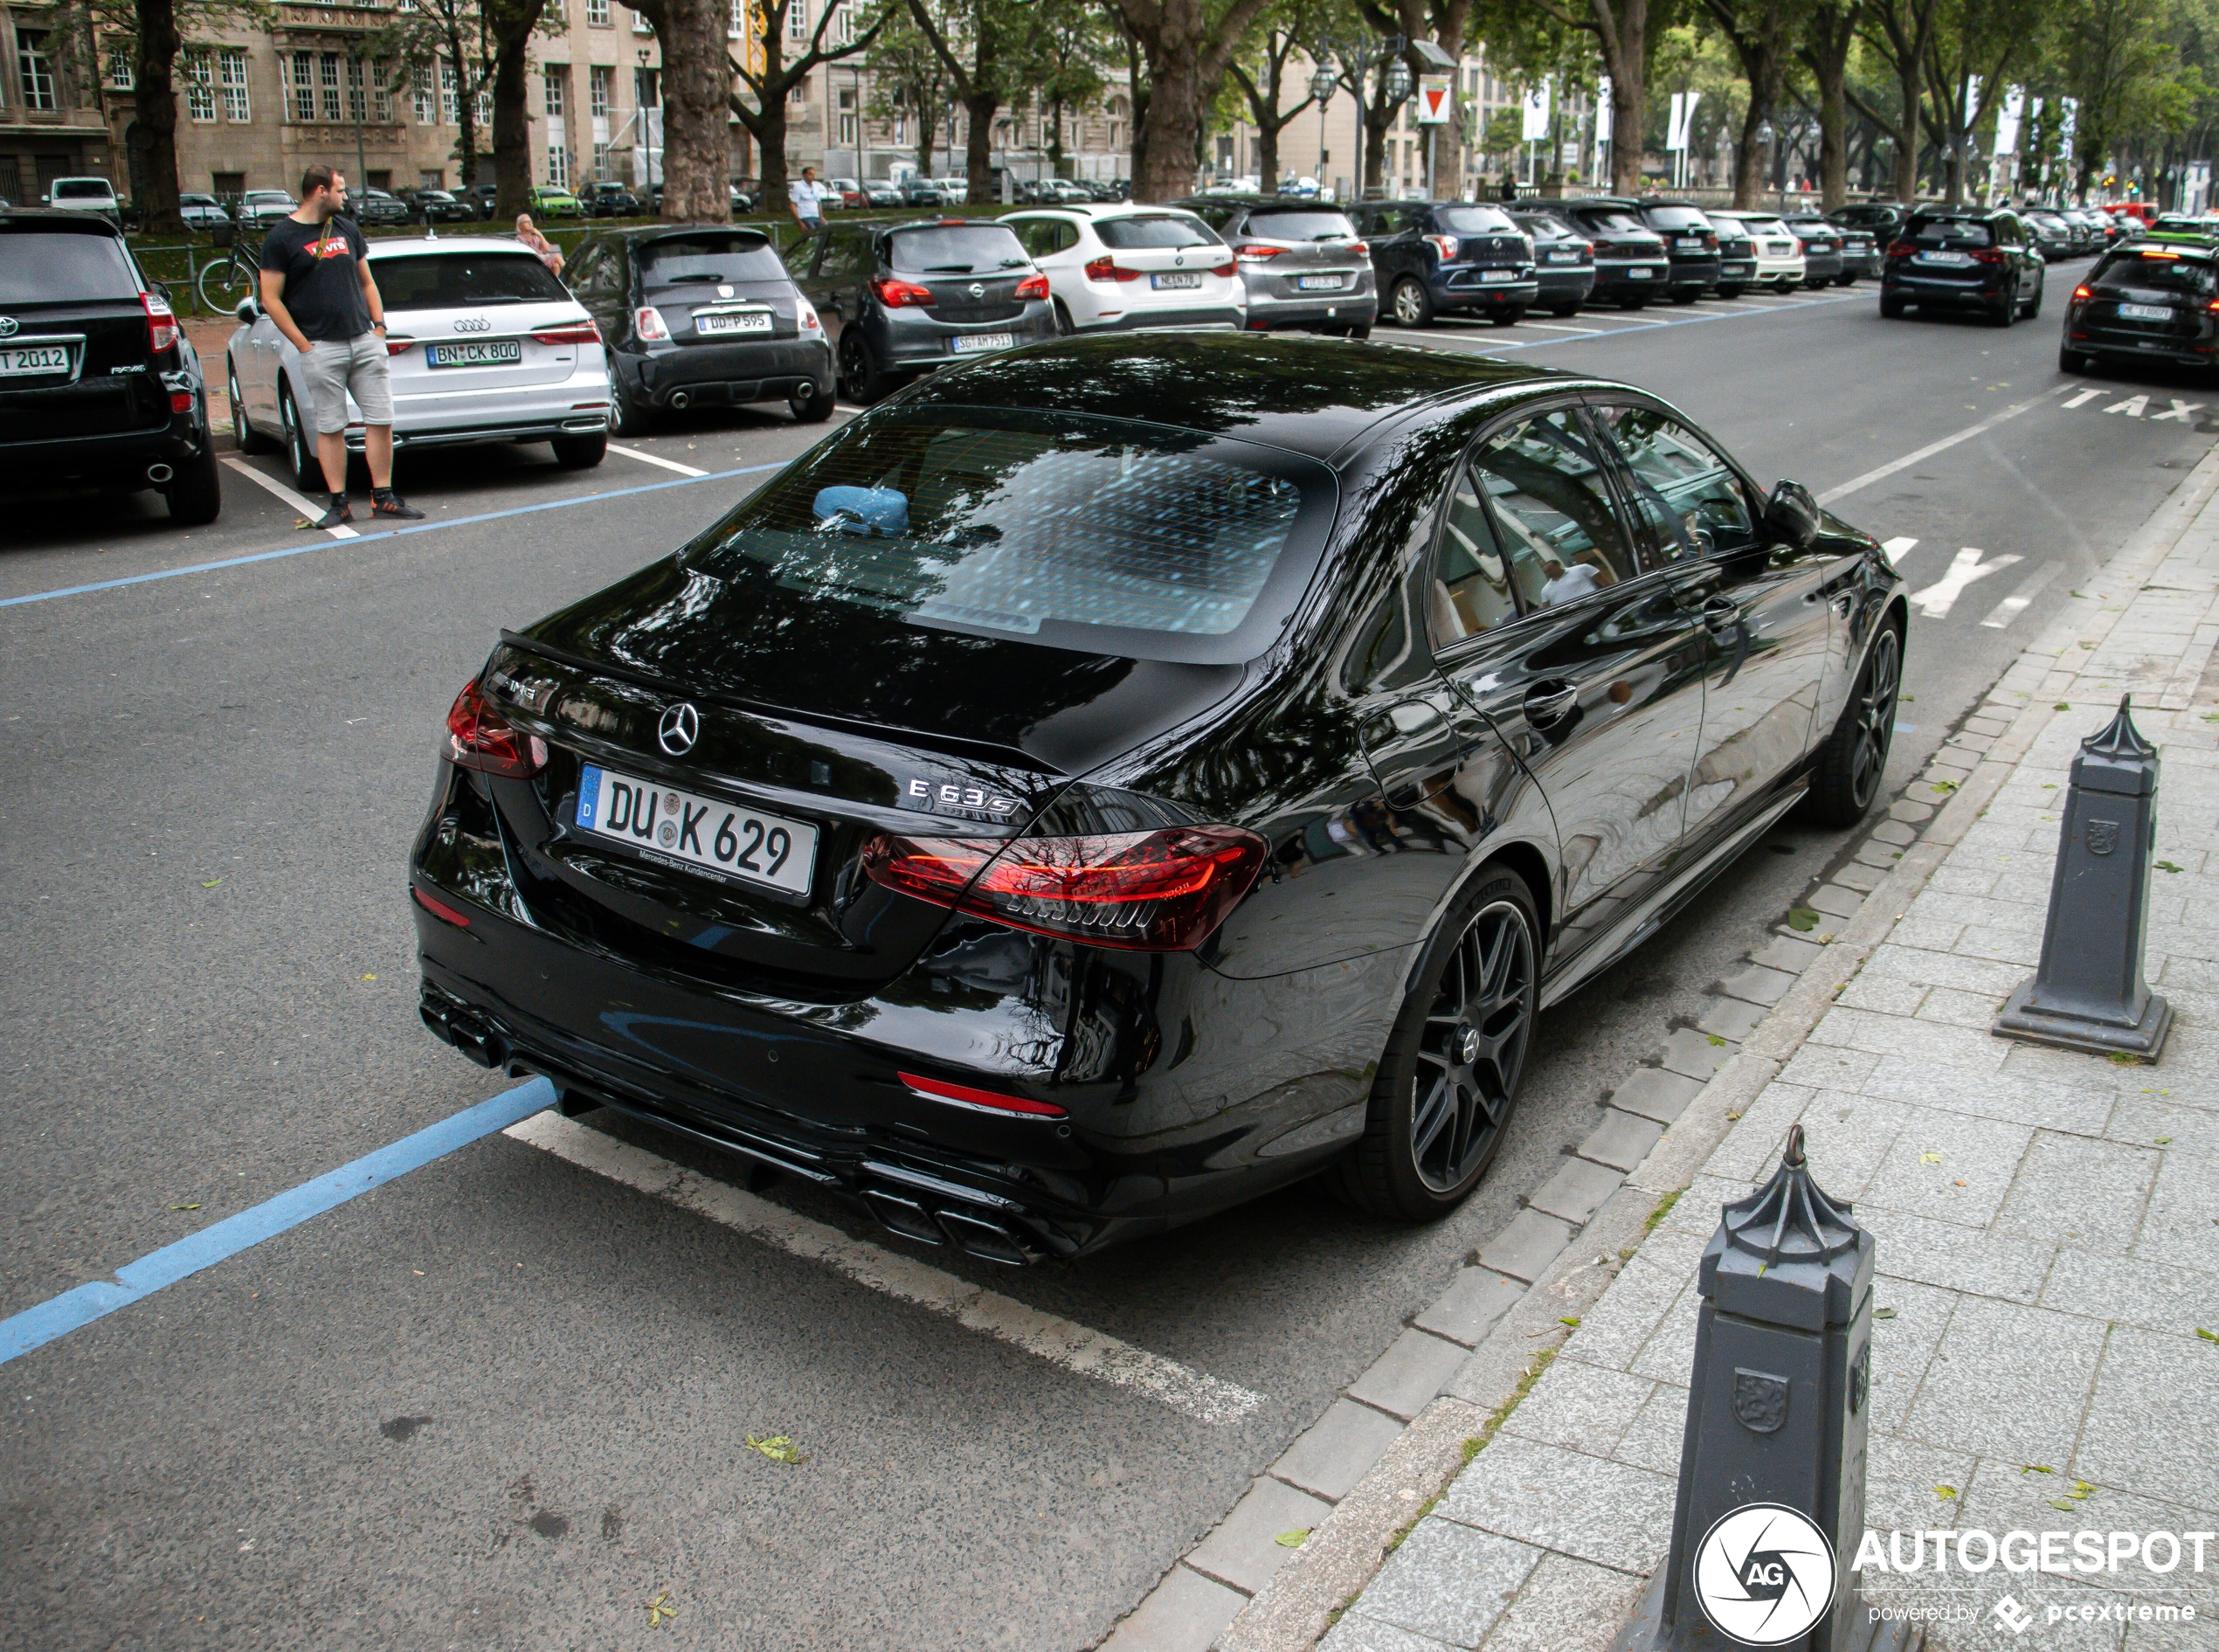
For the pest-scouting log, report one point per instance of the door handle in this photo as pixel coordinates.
(1547, 702)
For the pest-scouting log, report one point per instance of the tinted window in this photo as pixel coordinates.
(1688, 503)
(82, 189)
(52, 266)
(1008, 526)
(1764, 226)
(968, 249)
(1611, 220)
(1470, 589)
(1676, 217)
(1302, 226)
(799, 256)
(1042, 237)
(1474, 220)
(735, 255)
(1924, 232)
(2152, 270)
(1164, 230)
(1546, 229)
(1561, 538)
(443, 281)
(848, 256)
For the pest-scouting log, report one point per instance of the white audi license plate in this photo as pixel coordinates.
(33, 358)
(484, 352)
(2144, 313)
(1319, 284)
(696, 831)
(1167, 283)
(745, 322)
(978, 343)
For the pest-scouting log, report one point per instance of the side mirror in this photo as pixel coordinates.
(249, 312)
(1791, 516)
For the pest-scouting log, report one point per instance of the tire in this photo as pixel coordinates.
(581, 452)
(1641, 303)
(250, 440)
(1509, 317)
(626, 417)
(1892, 305)
(1064, 325)
(1735, 291)
(814, 406)
(1564, 312)
(222, 286)
(859, 374)
(1448, 1080)
(2071, 360)
(196, 492)
(1848, 278)
(299, 449)
(1854, 760)
(2034, 305)
(1411, 305)
(2005, 313)
(1686, 295)
(1360, 333)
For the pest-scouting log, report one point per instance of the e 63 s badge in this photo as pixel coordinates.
(964, 801)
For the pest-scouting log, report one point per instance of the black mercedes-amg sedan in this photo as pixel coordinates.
(1110, 780)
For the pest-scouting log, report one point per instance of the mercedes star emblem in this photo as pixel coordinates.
(680, 728)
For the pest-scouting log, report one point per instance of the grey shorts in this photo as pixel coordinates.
(336, 368)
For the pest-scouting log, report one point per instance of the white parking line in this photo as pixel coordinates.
(2001, 616)
(1558, 327)
(1937, 600)
(291, 498)
(1880, 473)
(656, 459)
(1896, 548)
(1076, 1348)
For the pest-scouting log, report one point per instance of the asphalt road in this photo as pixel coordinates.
(502, 1403)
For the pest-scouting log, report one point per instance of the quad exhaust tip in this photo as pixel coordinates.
(971, 1231)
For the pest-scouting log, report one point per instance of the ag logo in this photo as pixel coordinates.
(1765, 1574)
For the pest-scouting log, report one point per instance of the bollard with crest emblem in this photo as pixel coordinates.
(2088, 993)
(1771, 1504)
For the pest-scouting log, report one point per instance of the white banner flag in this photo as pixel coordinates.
(1602, 110)
(1682, 120)
(2008, 118)
(1537, 113)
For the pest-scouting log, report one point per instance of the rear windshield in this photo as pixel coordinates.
(1947, 232)
(956, 249)
(1546, 230)
(1611, 220)
(1166, 228)
(1474, 220)
(1764, 226)
(1676, 217)
(53, 264)
(737, 255)
(445, 280)
(1298, 226)
(82, 190)
(1011, 522)
(2153, 270)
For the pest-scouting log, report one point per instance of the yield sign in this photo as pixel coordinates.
(1434, 101)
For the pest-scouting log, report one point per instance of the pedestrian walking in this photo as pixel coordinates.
(549, 254)
(317, 287)
(805, 201)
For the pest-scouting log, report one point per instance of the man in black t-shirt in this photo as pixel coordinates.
(318, 290)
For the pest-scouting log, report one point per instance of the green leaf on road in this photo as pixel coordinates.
(1801, 917)
(1292, 1539)
(2059, 1503)
(2061, 706)
(1715, 1039)
(777, 1447)
(659, 1608)
(1944, 785)
(1930, 1158)
(1572, 1320)
(211, 884)
(185, 1208)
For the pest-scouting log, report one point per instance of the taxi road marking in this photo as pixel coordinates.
(1076, 1348)
(1939, 598)
(656, 459)
(286, 493)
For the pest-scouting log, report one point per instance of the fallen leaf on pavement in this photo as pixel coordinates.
(185, 1208)
(777, 1447)
(211, 884)
(659, 1608)
(1883, 1313)
(2208, 1336)
(1801, 917)
(2036, 1468)
(1930, 1158)
(1947, 1494)
(1292, 1539)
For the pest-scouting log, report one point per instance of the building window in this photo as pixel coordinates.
(36, 68)
(597, 13)
(640, 23)
(450, 95)
(358, 93)
(330, 82)
(200, 98)
(120, 74)
(381, 89)
(430, 178)
(554, 79)
(598, 104)
(737, 30)
(237, 105)
(303, 101)
(796, 19)
(847, 131)
(801, 90)
(419, 79)
(558, 166)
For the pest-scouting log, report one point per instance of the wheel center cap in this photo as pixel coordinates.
(1463, 1046)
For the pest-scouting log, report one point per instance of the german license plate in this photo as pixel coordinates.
(978, 343)
(1954, 259)
(2144, 313)
(1691, 244)
(696, 831)
(480, 352)
(1168, 283)
(33, 358)
(1563, 258)
(1641, 274)
(1319, 284)
(1487, 277)
(743, 322)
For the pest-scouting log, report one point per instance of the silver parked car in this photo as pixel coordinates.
(1300, 262)
(486, 346)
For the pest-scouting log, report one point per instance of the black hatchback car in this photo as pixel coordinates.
(1564, 260)
(902, 299)
(1126, 776)
(1824, 264)
(1690, 242)
(2147, 300)
(1631, 267)
(1964, 260)
(1435, 256)
(99, 384)
(700, 314)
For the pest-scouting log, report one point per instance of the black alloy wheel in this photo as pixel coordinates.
(2005, 309)
(1509, 317)
(859, 379)
(2033, 304)
(1855, 758)
(1064, 325)
(1449, 1078)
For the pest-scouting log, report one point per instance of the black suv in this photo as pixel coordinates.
(900, 298)
(1691, 241)
(1964, 260)
(612, 201)
(697, 315)
(2147, 300)
(1434, 256)
(98, 383)
(1564, 260)
(1631, 267)
(1824, 264)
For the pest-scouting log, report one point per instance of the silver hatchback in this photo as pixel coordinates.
(1300, 262)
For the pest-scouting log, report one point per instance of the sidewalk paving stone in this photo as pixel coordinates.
(1756, 984)
(1790, 952)
(1587, 1507)
(2008, 1379)
(1587, 1407)
(1449, 1581)
(1467, 1310)
(1623, 1140)
(1336, 1450)
(1951, 1167)
(1694, 1054)
(1415, 1367)
(1183, 1613)
(1243, 1551)
(2071, 1190)
(1731, 1019)
(1656, 1094)
(2148, 1376)
(1525, 1247)
(1359, 1633)
(1566, 1606)
(1577, 1191)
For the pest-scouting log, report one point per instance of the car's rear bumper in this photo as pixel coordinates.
(1611, 280)
(1861, 264)
(904, 339)
(1355, 303)
(1939, 290)
(1571, 285)
(118, 458)
(431, 416)
(1206, 315)
(752, 370)
(1463, 290)
(2120, 345)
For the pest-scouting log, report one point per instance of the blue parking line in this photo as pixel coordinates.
(58, 1315)
(388, 533)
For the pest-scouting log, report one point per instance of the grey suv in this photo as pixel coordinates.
(898, 299)
(1301, 263)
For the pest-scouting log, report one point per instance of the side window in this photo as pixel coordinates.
(1392, 220)
(801, 254)
(1561, 536)
(1033, 234)
(1688, 502)
(845, 253)
(578, 275)
(1470, 591)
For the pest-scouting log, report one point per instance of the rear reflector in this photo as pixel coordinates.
(440, 909)
(181, 401)
(985, 1100)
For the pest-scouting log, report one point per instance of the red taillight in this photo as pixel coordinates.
(440, 909)
(896, 293)
(1105, 269)
(479, 737)
(985, 1100)
(1987, 255)
(181, 401)
(1152, 891)
(568, 333)
(395, 346)
(1444, 245)
(162, 324)
(648, 323)
(1900, 249)
(1362, 249)
(1033, 286)
(2079, 293)
(1255, 252)
(1229, 268)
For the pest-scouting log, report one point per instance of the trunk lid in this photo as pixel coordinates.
(720, 311)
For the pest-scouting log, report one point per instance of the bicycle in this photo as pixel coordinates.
(224, 282)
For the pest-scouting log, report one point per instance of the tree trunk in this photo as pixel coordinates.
(1746, 143)
(1267, 159)
(466, 115)
(512, 143)
(1828, 57)
(1907, 144)
(159, 43)
(978, 150)
(696, 97)
(1164, 169)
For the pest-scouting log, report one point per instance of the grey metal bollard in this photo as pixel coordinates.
(1776, 1406)
(2088, 993)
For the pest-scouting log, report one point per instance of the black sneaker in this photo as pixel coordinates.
(333, 517)
(390, 504)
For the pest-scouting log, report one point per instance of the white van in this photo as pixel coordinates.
(86, 195)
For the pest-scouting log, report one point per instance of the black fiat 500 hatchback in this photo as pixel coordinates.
(1112, 780)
